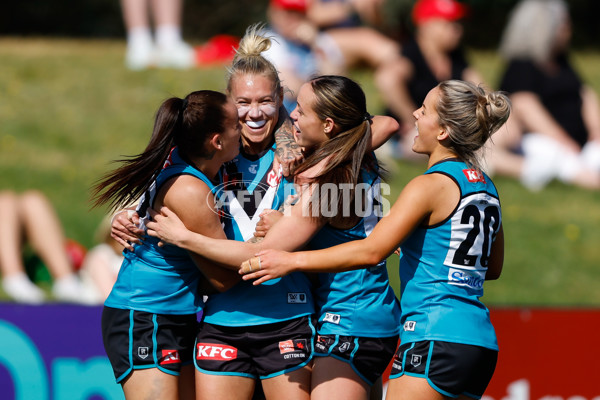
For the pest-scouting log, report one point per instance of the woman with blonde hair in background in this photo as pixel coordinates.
(555, 128)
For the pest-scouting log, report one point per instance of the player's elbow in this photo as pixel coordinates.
(371, 257)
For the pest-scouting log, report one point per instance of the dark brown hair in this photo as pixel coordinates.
(186, 123)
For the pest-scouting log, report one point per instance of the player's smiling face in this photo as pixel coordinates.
(258, 105)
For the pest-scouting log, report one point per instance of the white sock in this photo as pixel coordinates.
(168, 36)
(139, 37)
(70, 289)
(590, 154)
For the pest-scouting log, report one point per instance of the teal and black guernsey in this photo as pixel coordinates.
(443, 267)
(250, 185)
(160, 280)
(358, 303)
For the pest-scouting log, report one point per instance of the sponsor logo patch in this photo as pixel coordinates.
(169, 357)
(218, 352)
(295, 348)
(273, 178)
(333, 318)
(474, 175)
(296, 298)
(471, 279)
(409, 326)
(289, 346)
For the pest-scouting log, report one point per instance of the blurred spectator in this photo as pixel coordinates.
(293, 37)
(302, 48)
(350, 42)
(432, 55)
(30, 217)
(167, 48)
(554, 131)
(102, 262)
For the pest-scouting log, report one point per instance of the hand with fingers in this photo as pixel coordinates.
(124, 228)
(166, 226)
(267, 265)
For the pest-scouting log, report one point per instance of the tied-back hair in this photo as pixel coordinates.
(531, 30)
(248, 58)
(185, 123)
(344, 101)
(470, 114)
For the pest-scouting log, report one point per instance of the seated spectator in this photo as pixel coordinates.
(291, 51)
(554, 131)
(301, 48)
(349, 41)
(30, 218)
(432, 55)
(102, 263)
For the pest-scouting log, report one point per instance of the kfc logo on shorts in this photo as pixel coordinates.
(474, 175)
(289, 346)
(169, 357)
(217, 352)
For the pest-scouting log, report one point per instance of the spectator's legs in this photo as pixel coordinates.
(365, 45)
(14, 280)
(140, 46)
(44, 231)
(172, 51)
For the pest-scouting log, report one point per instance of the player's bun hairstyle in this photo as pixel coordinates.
(186, 123)
(470, 114)
(248, 58)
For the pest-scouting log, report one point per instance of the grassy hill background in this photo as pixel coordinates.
(69, 107)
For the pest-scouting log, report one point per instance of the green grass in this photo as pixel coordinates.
(69, 107)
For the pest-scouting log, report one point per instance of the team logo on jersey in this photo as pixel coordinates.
(169, 357)
(296, 298)
(333, 318)
(295, 348)
(415, 360)
(143, 352)
(474, 176)
(410, 326)
(252, 168)
(216, 352)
